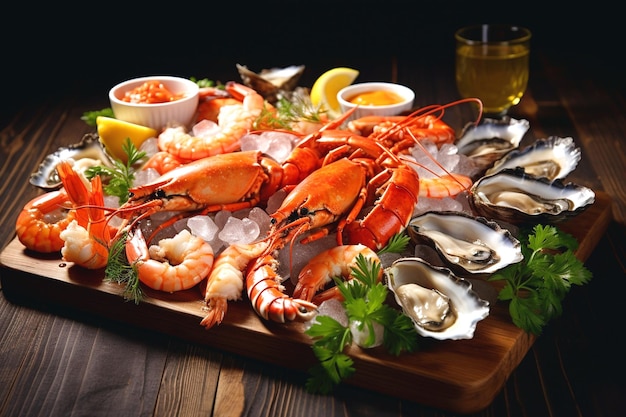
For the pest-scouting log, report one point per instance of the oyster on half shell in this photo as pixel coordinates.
(88, 149)
(553, 158)
(491, 139)
(465, 243)
(440, 304)
(516, 197)
(270, 82)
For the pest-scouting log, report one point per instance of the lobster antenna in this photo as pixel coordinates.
(429, 155)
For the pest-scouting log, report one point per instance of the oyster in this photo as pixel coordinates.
(553, 158)
(466, 243)
(270, 82)
(89, 150)
(517, 197)
(441, 305)
(491, 139)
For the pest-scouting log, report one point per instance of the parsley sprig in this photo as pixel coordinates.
(364, 301)
(118, 179)
(536, 286)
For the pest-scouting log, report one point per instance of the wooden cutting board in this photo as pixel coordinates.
(462, 376)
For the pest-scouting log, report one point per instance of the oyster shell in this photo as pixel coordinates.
(517, 197)
(270, 82)
(465, 243)
(491, 139)
(553, 158)
(47, 177)
(441, 305)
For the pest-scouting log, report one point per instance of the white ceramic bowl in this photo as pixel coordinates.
(157, 115)
(346, 94)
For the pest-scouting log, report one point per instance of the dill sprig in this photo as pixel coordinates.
(397, 244)
(286, 113)
(119, 271)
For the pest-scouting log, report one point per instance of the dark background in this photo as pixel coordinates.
(46, 48)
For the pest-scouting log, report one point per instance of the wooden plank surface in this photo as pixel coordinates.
(461, 376)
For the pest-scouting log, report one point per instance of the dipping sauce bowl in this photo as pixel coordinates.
(376, 98)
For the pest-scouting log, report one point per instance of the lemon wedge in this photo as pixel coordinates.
(325, 89)
(113, 133)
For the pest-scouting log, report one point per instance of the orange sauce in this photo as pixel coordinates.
(150, 92)
(376, 98)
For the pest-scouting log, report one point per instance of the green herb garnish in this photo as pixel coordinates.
(119, 271)
(205, 82)
(287, 113)
(537, 285)
(118, 179)
(364, 301)
(397, 244)
(90, 117)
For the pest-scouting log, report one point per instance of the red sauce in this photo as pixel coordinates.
(376, 98)
(150, 92)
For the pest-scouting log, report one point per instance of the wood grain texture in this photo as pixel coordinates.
(439, 374)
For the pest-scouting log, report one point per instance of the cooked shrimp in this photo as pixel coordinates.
(225, 282)
(81, 248)
(175, 264)
(86, 239)
(234, 121)
(42, 220)
(448, 185)
(335, 262)
(163, 162)
(395, 128)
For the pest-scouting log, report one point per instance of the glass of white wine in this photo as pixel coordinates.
(492, 64)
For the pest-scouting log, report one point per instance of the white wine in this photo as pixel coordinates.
(496, 74)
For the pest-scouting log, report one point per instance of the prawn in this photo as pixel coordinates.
(234, 121)
(225, 282)
(424, 127)
(175, 264)
(265, 291)
(41, 221)
(163, 162)
(400, 133)
(448, 185)
(322, 268)
(86, 239)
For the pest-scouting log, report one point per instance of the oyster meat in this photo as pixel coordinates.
(440, 304)
(89, 150)
(465, 243)
(552, 158)
(491, 139)
(270, 82)
(517, 197)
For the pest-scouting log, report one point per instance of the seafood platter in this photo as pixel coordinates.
(259, 259)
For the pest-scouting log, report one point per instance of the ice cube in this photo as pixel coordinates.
(254, 142)
(239, 231)
(280, 145)
(145, 176)
(203, 227)
(260, 217)
(275, 201)
(221, 217)
(205, 128)
(150, 147)
(332, 308)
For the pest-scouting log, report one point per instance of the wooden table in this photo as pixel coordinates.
(58, 361)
